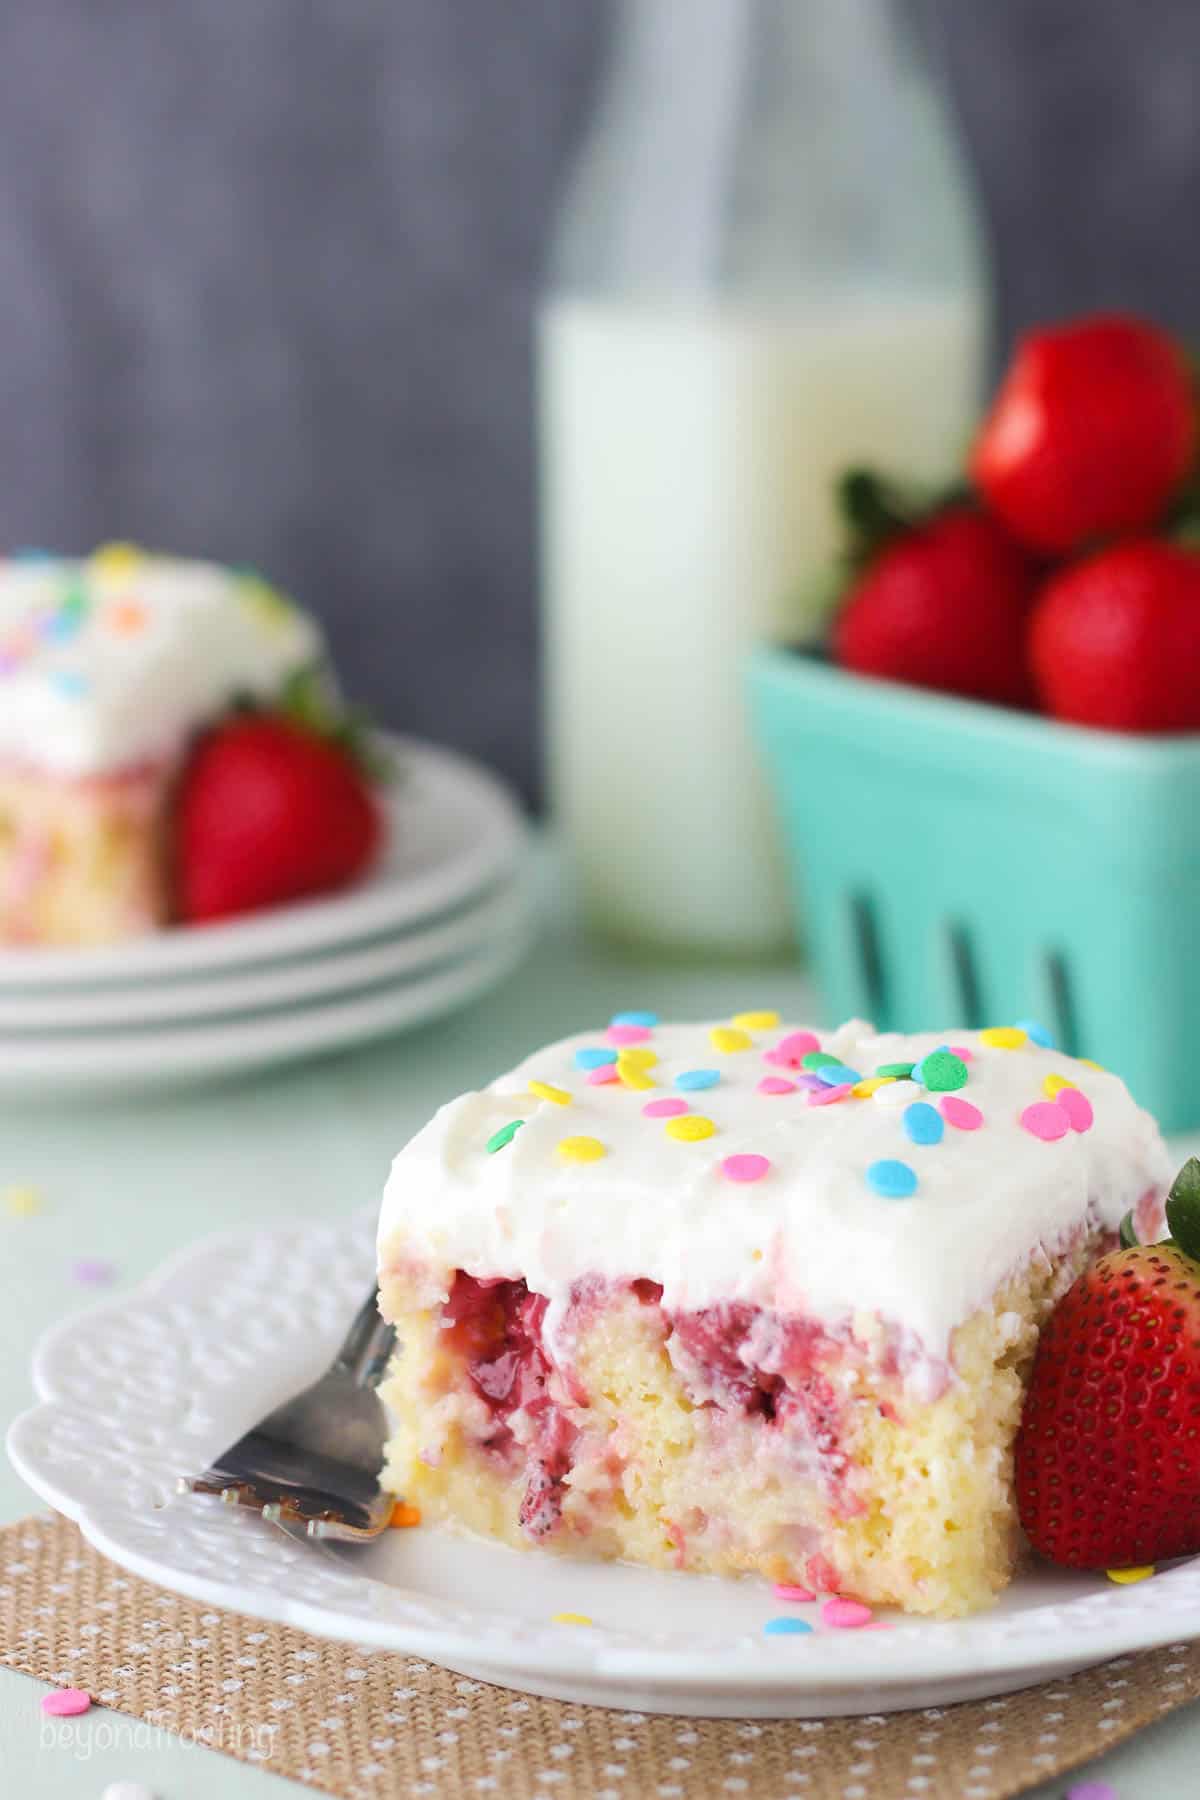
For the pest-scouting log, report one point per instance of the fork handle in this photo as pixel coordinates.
(368, 1345)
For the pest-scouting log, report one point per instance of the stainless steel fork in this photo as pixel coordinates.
(316, 1459)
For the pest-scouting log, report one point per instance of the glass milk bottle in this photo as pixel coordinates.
(766, 268)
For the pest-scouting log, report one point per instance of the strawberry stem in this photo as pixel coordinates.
(1128, 1233)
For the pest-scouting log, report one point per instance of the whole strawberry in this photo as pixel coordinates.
(1108, 1451)
(268, 811)
(942, 604)
(1092, 433)
(1115, 641)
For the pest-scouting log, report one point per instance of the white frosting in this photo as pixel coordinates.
(116, 660)
(811, 1236)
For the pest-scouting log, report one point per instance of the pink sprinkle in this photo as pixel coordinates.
(66, 1703)
(962, 1053)
(603, 1075)
(92, 1271)
(960, 1112)
(1092, 1790)
(827, 1095)
(664, 1109)
(627, 1034)
(1077, 1107)
(878, 1625)
(791, 1050)
(745, 1168)
(846, 1615)
(791, 1590)
(775, 1084)
(1047, 1120)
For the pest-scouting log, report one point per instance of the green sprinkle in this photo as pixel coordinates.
(505, 1135)
(898, 1071)
(942, 1072)
(819, 1059)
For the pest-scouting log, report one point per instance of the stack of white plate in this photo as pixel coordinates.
(444, 917)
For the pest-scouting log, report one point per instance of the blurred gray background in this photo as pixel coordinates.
(267, 272)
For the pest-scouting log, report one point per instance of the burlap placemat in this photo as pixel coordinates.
(377, 1725)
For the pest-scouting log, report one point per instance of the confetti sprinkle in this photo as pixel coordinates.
(545, 1090)
(1077, 1107)
(602, 1075)
(960, 1113)
(817, 1059)
(691, 1129)
(787, 1627)
(624, 1035)
(66, 1703)
(899, 1091)
(791, 1050)
(581, 1149)
(892, 1180)
(1126, 1577)
(1004, 1037)
(962, 1051)
(71, 684)
(791, 1591)
(646, 1021)
(125, 617)
(505, 1135)
(569, 1618)
(1089, 1064)
(756, 1021)
(922, 1125)
(115, 562)
(692, 1080)
(404, 1516)
(637, 1056)
(776, 1084)
(594, 1058)
(846, 1615)
(941, 1072)
(92, 1271)
(1092, 1790)
(664, 1109)
(1053, 1086)
(632, 1074)
(23, 1202)
(1046, 1119)
(864, 1089)
(728, 1038)
(895, 1071)
(745, 1167)
(1037, 1034)
(836, 1074)
(829, 1096)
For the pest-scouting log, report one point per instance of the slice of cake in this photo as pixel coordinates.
(746, 1297)
(108, 668)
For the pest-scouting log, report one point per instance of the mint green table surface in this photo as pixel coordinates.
(131, 1181)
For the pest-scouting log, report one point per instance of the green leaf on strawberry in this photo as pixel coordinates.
(1183, 1207)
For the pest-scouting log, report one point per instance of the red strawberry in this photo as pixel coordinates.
(943, 605)
(1092, 432)
(1115, 641)
(1108, 1451)
(269, 811)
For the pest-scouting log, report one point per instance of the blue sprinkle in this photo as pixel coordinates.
(594, 1059)
(837, 1075)
(787, 1628)
(891, 1179)
(1036, 1033)
(697, 1078)
(33, 556)
(70, 683)
(59, 626)
(922, 1124)
(648, 1019)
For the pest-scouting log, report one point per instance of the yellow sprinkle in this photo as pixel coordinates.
(581, 1149)
(1054, 1084)
(544, 1091)
(862, 1090)
(116, 561)
(729, 1038)
(1125, 1576)
(690, 1127)
(569, 1619)
(22, 1202)
(404, 1516)
(631, 1076)
(637, 1056)
(1094, 1065)
(1003, 1037)
(756, 1021)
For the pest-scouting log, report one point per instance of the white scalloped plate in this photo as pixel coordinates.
(151, 1385)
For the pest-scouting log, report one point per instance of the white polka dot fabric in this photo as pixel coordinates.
(374, 1725)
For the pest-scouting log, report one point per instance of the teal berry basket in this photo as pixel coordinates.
(961, 864)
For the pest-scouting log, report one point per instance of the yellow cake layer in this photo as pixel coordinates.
(921, 1516)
